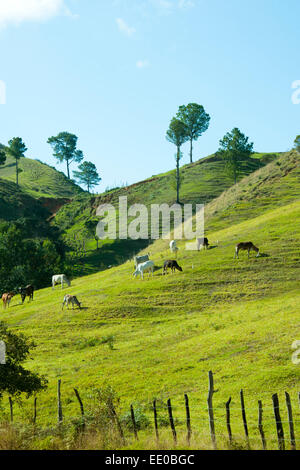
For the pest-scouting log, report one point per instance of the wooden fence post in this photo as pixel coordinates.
(11, 409)
(211, 391)
(188, 419)
(228, 420)
(134, 422)
(244, 418)
(279, 428)
(59, 406)
(81, 407)
(291, 422)
(260, 425)
(155, 420)
(116, 418)
(172, 421)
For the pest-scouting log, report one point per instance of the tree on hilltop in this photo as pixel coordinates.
(297, 143)
(196, 121)
(16, 149)
(87, 175)
(65, 149)
(177, 135)
(2, 155)
(234, 148)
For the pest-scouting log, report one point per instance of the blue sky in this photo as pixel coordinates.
(114, 72)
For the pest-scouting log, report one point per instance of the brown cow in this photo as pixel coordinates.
(26, 292)
(245, 246)
(172, 264)
(6, 298)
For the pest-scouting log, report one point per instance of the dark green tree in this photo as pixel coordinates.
(177, 135)
(2, 154)
(88, 175)
(196, 121)
(64, 147)
(234, 149)
(14, 378)
(16, 149)
(91, 226)
(297, 143)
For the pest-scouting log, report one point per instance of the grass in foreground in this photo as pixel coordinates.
(237, 318)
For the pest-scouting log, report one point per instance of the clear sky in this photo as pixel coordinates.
(114, 72)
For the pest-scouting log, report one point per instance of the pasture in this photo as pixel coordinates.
(237, 318)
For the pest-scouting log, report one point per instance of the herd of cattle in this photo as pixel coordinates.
(142, 265)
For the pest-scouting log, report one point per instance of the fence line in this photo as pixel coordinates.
(190, 418)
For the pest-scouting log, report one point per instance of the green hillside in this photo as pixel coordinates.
(237, 318)
(203, 181)
(39, 179)
(16, 203)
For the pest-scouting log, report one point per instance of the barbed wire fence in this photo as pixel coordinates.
(235, 413)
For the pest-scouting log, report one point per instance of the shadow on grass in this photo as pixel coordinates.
(109, 255)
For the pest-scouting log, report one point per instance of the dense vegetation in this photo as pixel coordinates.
(28, 258)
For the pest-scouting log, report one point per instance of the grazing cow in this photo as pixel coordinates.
(202, 243)
(245, 246)
(140, 259)
(26, 292)
(172, 264)
(6, 298)
(71, 299)
(60, 279)
(142, 268)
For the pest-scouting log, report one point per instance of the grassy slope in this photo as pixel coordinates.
(235, 317)
(16, 203)
(38, 179)
(203, 181)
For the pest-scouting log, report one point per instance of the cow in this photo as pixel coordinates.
(172, 264)
(202, 243)
(142, 268)
(60, 279)
(6, 298)
(245, 246)
(71, 299)
(26, 292)
(140, 259)
(173, 247)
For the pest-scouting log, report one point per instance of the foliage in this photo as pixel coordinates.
(16, 149)
(196, 121)
(2, 154)
(234, 148)
(65, 149)
(14, 379)
(177, 135)
(297, 143)
(142, 421)
(87, 175)
(30, 260)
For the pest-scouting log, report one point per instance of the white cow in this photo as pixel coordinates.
(60, 279)
(140, 259)
(142, 268)
(71, 299)
(173, 247)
